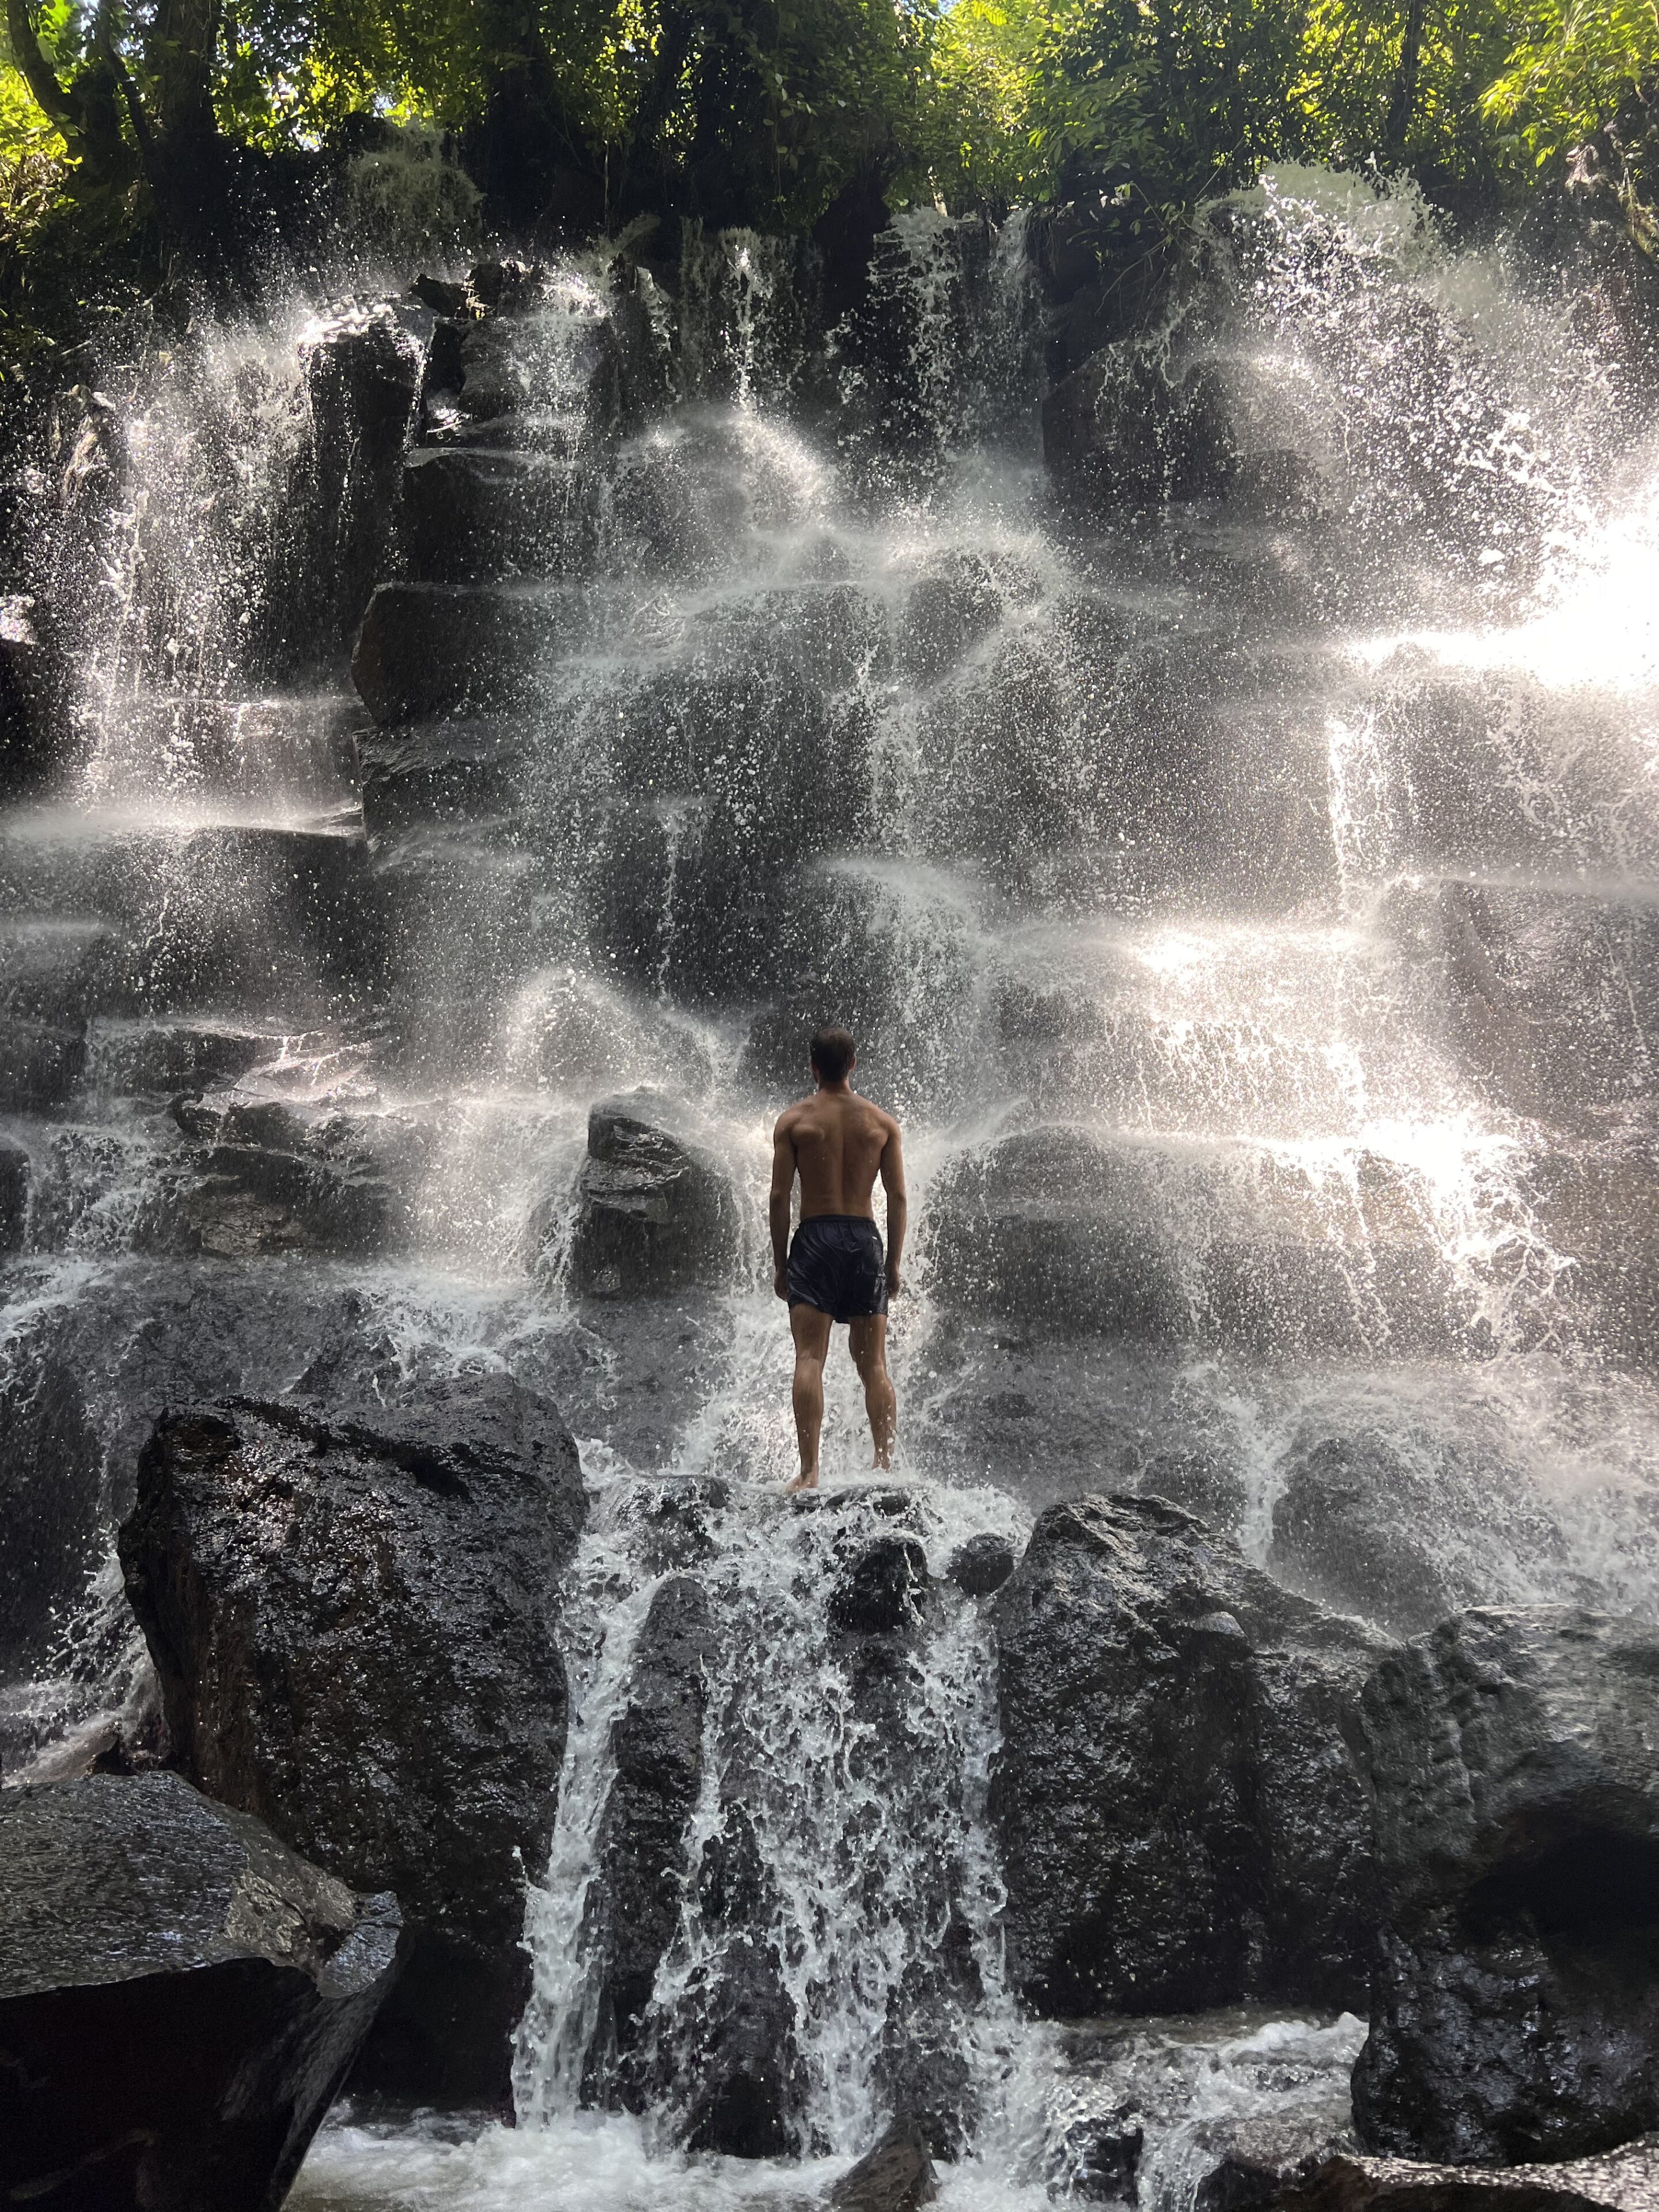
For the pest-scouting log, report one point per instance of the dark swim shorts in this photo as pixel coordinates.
(837, 1264)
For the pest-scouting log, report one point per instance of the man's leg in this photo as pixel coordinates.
(811, 1330)
(868, 1337)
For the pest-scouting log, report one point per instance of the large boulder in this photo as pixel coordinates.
(461, 648)
(1515, 2001)
(1125, 428)
(473, 515)
(1066, 1233)
(1552, 993)
(895, 2175)
(1404, 1529)
(271, 1176)
(658, 1747)
(352, 1617)
(654, 1214)
(180, 1999)
(1183, 1822)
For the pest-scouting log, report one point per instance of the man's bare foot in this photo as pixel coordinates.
(806, 1479)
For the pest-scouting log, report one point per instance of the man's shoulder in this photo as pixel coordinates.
(791, 1117)
(886, 1122)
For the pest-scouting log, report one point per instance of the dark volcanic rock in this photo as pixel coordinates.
(470, 515)
(742, 2067)
(658, 1745)
(277, 1177)
(50, 1532)
(362, 376)
(654, 1214)
(180, 1999)
(1260, 2155)
(879, 1592)
(351, 1617)
(1182, 1822)
(1625, 2181)
(982, 1565)
(1122, 428)
(41, 1066)
(1339, 1535)
(459, 648)
(1049, 1228)
(14, 1176)
(897, 2176)
(1515, 2000)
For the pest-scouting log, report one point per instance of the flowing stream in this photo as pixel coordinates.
(1242, 883)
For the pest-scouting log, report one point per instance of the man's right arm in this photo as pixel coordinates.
(777, 1206)
(898, 1210)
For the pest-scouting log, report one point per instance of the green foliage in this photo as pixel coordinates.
(586, 111)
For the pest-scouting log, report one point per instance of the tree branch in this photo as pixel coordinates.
(49, 95)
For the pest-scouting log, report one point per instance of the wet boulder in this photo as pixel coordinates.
(1129, 425)
(16, 1172)
(949, 610)
(739, 2074)
(269, 1176)
(181, 1997)
(1201, 1481)
(52, 1531)
(1350, 1528)
(658, 1747)
(1551, 992)
(363, 374)
(982, 1565)
(879, 1590)
(1066, 1233)
(1051, 1229)
(896, 2175)
(1515, 1994)
(41, 1066)
(654, 1214)
(1183, 1822)
(449, 648)
(352, 1615)
(472, 514)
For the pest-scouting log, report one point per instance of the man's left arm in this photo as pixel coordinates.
(777, 1206)
(898, 1211)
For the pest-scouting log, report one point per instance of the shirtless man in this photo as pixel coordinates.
(837, 1143)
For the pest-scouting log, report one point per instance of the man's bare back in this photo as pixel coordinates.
(839, 1141)
(835, 1270)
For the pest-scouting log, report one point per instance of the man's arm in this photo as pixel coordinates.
(892, 1181)
(777, 1206)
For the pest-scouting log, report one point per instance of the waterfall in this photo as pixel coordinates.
(1233, 848)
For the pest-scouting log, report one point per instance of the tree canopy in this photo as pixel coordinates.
(182, 130)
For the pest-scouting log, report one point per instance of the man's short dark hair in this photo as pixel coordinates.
(832, 1053)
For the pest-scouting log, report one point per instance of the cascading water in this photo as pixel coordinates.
(1235, 877)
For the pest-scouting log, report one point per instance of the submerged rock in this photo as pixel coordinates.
(1625, 2181)
(180, 1999)
(653, 1213)
(1182, 1822)
(1515, 1998)
(351, 1614)
(897, 2176)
